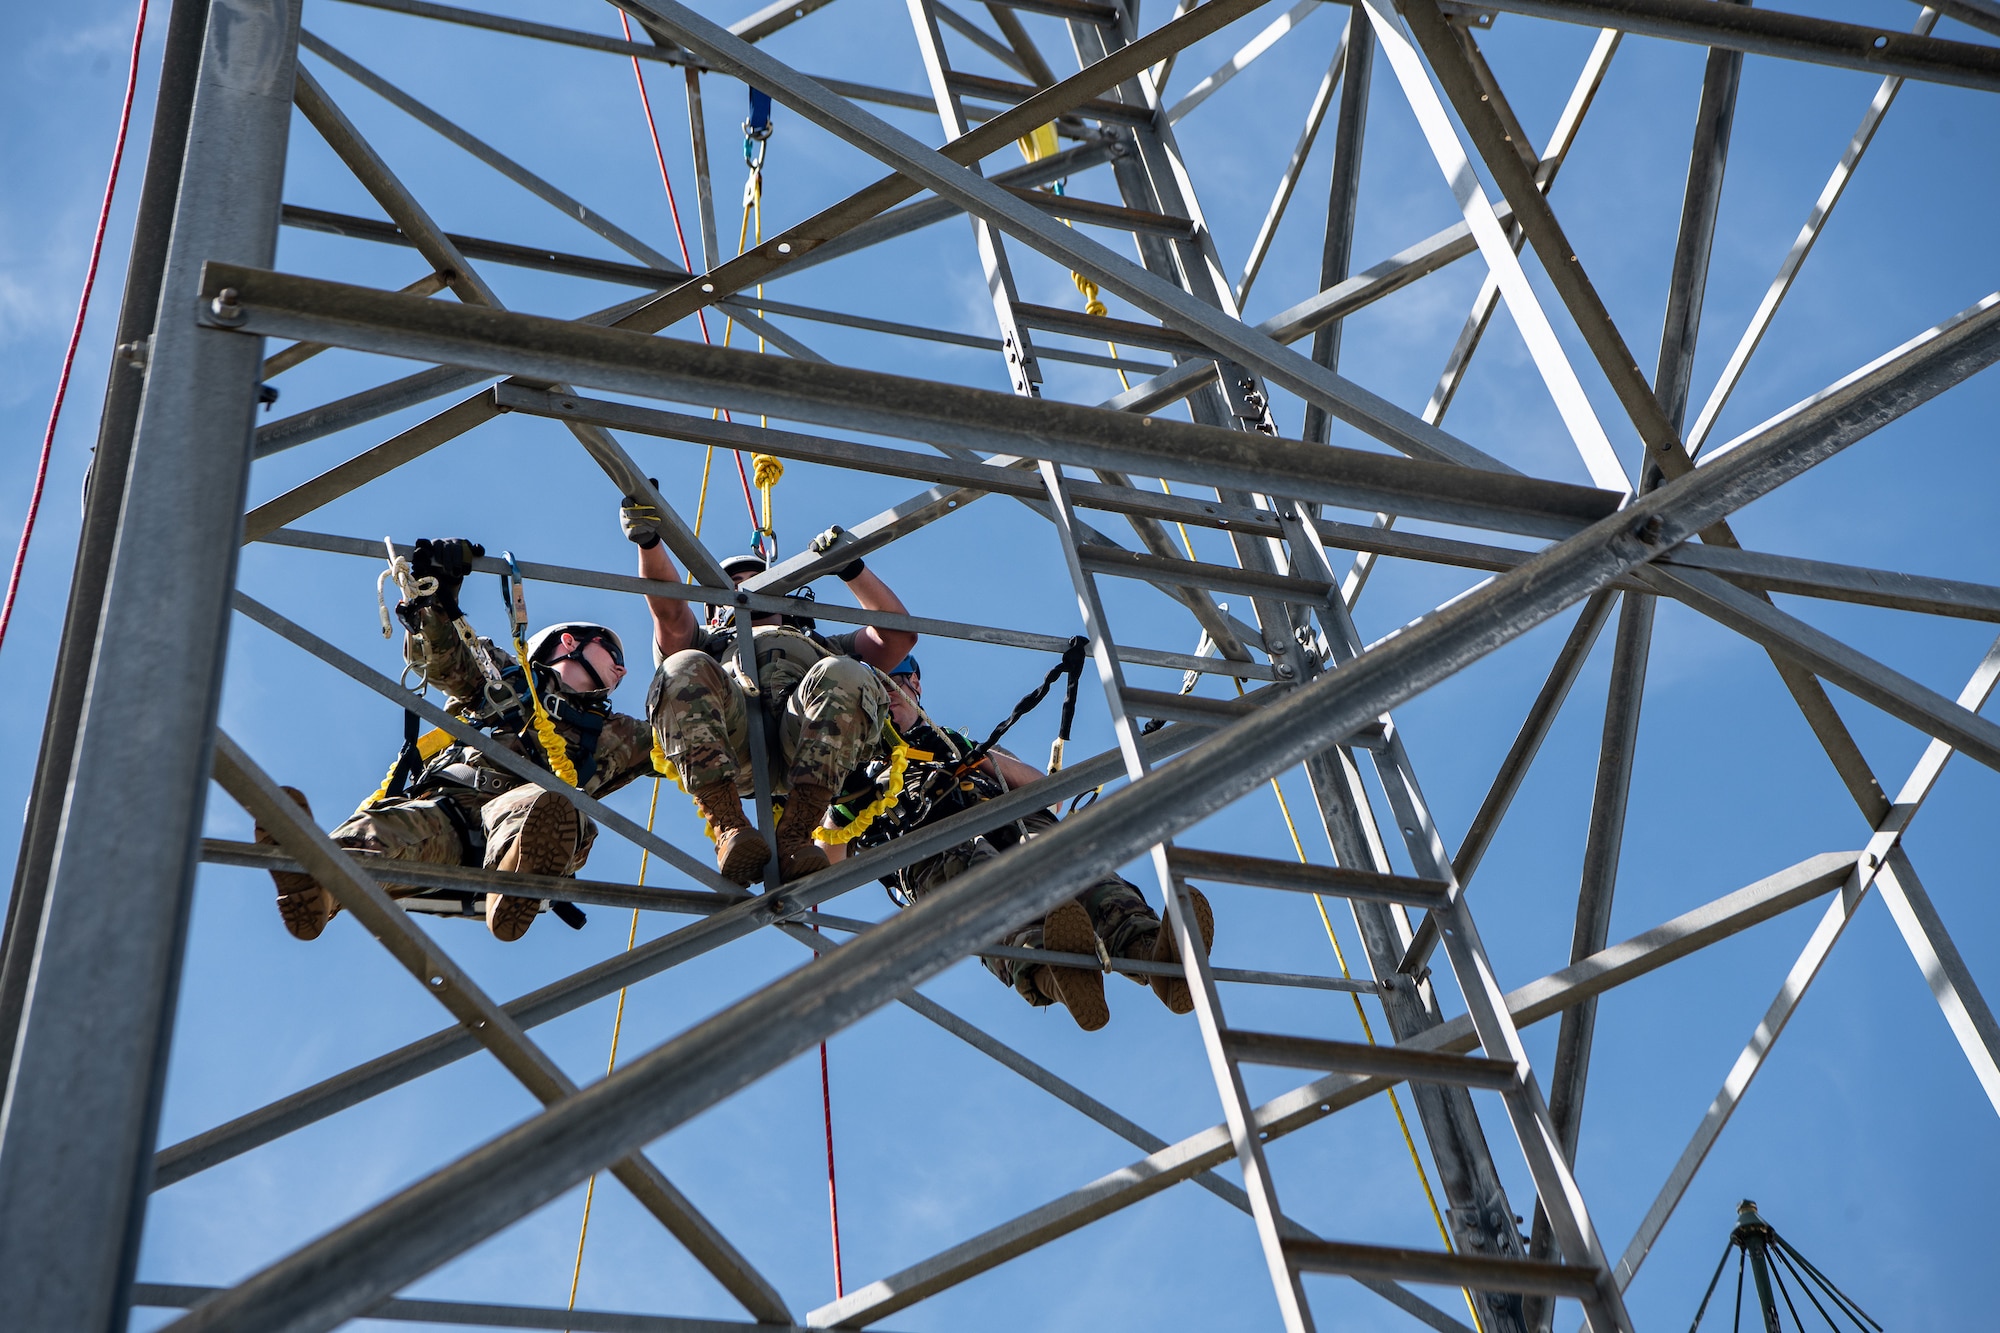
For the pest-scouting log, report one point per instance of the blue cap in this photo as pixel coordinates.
(907, 667)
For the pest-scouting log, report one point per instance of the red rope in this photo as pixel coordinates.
(832, 1189)
(687, 262)
(76, 331)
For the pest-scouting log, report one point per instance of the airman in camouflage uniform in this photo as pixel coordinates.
(823, 701)
(462, 808)
(1110, 918)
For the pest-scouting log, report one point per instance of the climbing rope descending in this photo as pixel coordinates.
(756, 146)
(611, 1064)
(832, 1183)
(514, 592)
(76, 327)
(687, 260)
(1036, 145)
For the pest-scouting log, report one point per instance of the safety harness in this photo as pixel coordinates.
(518, 697)
(942, 771)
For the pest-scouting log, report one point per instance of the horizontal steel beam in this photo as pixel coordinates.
(470, 879)
(1475, 1272)
(184, 1296)
(760, 602)
(1137, 967)
(1078, 209)
(1008, 93)
(1832, 660)
(755, 28)
(1109, 328)
(1193, 709)
(1354, 1057)
(1222, 578)
(1770, 32)
(1298, 877)
(504, 342)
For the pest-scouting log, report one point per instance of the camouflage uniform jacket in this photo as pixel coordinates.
(624, 747)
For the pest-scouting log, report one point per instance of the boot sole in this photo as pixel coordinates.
(509, 917)
(306, 913)
(303, 905)
(1174, 992)
(1067, 930)
(546, 843)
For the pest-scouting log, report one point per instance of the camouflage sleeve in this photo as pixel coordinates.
(624, 753)
(448, 664)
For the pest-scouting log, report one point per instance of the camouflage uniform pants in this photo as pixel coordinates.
(830, 725)
(422, 829)
(1119, 913)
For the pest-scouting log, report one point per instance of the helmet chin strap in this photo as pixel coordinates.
(579, 656)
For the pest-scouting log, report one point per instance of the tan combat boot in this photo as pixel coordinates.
(305, 906)
(1173, 991)
(544, 846)
(740, 850)
(798, 854)
(1080, 990)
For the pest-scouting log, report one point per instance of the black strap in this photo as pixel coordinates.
(1072, 666)
(471, 831)
(408, 762)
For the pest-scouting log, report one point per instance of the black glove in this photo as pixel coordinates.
(826, 541)
(448, 561)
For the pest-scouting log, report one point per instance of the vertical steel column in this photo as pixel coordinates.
(1687, 287)
(104, 491)
(82, 1101)
(1345, 190)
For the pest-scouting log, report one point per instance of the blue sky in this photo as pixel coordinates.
(1867, 1140)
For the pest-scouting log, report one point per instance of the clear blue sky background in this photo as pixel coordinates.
(1867, 1140)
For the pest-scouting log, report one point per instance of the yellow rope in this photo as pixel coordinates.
(899, 760)
(545, 730)
(617, 1027)
(1409, 1141)
(1036, 145)
(766, 472)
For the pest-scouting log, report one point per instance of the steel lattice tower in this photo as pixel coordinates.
(1304, 477)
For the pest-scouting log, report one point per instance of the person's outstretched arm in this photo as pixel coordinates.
(674, 624)
(879, 648)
